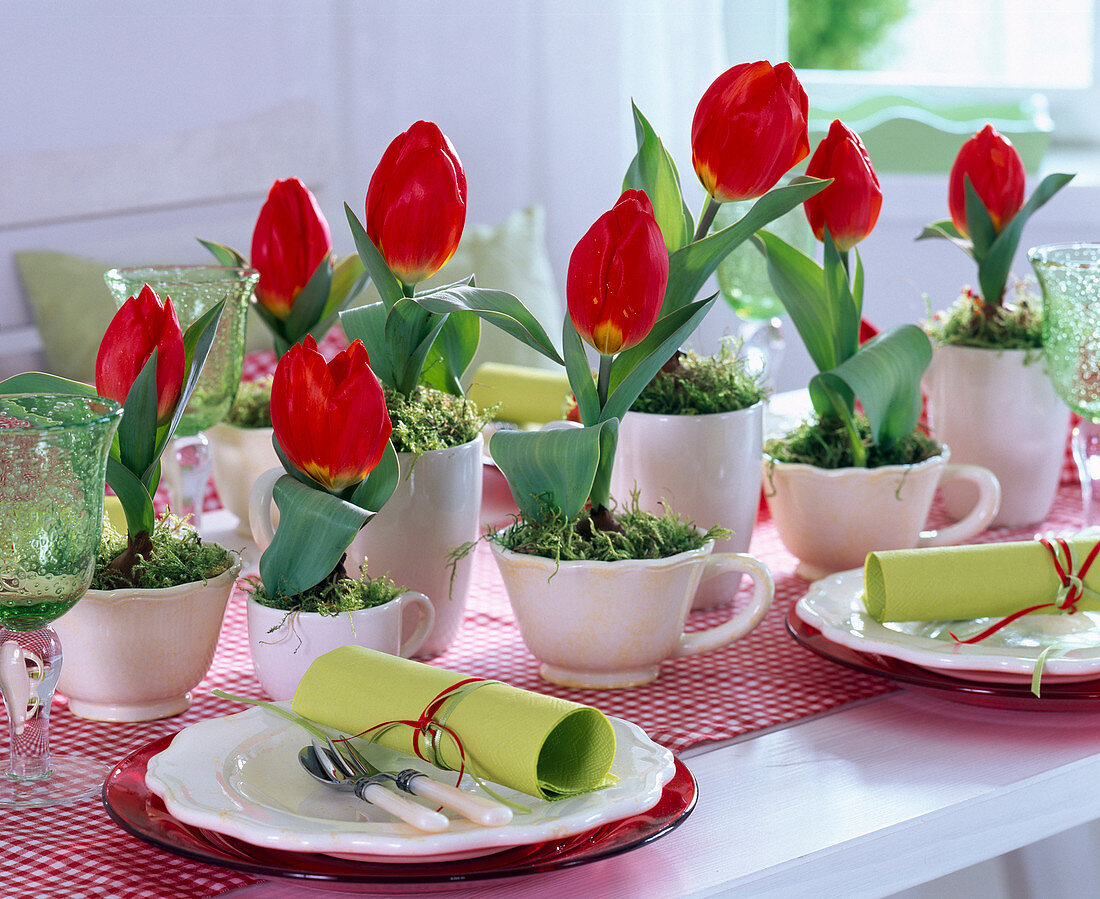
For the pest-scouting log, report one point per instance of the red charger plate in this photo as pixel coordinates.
(1079, 696)
(140, 812)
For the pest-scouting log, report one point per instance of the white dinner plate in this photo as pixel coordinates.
(834, 605)
(240, 776)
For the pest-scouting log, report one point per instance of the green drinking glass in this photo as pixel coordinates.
(1069, 277)
(53, 463)
(194, 289)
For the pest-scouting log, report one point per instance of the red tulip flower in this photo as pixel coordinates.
(996, 173)
(329, 418)
(617, 276)
(848, 207)
(290, 240)
(416, 203)
(139, 327)
(749, 130)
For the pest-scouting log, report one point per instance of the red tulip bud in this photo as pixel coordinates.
(329, 418)
(849, 207)
(139, 327)
(290, 240)
(416, 203)
(617, 276)
(997, 174)
(749, 130)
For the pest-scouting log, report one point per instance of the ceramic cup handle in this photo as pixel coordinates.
(989, 501)
(423, 625)
(259, 508)
(763, 592)
(15, 682)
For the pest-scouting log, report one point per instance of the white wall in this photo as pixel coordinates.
(189, 114)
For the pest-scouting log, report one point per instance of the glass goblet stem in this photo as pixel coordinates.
(1086, 453)
(29, 711)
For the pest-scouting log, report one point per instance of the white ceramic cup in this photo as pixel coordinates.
(285, 644)
(611, 624)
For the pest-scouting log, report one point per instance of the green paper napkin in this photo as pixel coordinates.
(527, 396)
(962, 582)
(540, 745)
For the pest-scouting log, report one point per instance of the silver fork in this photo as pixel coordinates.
(478, 809)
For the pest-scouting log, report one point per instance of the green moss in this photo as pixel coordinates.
(645, 536)
(179, 556)
(432, 420)
(828, 446)
(970, 321)
(252, 407)
(691, 384)
(332, 598)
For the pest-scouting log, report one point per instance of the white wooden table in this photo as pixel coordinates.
(868, 800)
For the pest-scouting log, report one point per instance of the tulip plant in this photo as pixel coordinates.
(749, 130)
(415, 213)
(825, 303)
(616, 281)
(146, 363)
(988, 214)
(300, 289)
(332, 434)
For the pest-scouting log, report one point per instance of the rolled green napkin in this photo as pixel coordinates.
(540, 745)
(527, 396)
(961, 582)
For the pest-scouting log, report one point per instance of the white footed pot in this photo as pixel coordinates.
(134, 655)
(604, 625)
(706, 467)
(998, 409)
(238, 457)
(831, 518)
(285, 644)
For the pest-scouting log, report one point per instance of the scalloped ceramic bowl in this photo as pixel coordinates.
(831, 518)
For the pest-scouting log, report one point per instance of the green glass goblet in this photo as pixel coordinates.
(194, 289)
(53, 463)
(1069, 277)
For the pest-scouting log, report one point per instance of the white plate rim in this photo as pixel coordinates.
(831, 603)
(190, 778)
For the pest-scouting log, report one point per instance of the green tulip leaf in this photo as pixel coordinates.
(41, 382)
(197, 341)
(632, 370)
(690, 266)
(368, 324)
(654, 171)
(349, 279)
(797, 281)
(411, 331)
(137, 502)
(294, 471)
(496, 307)
(377, 487)
(307, 518)
(994, 269)
(978, 222)
(550, 471)
(224, 255)
(389, 287)
(840, 302)
(137, 430)
(276, 326)
(309, 306)
(452, 353)
(579, 372)
(946, 230)
(885, 375)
